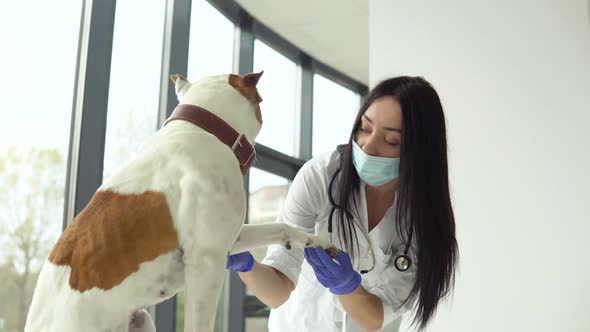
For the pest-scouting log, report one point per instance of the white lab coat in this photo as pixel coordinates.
(311, 307)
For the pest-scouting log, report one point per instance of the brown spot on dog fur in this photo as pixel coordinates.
(115, 233)
(246, 85)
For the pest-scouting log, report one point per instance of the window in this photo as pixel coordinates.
(334, 110)
(135, 80)
(267, 195)
(211, 42)
(256, 324)
(278, 90)
(36, 91)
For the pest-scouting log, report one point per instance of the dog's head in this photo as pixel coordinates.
(233, 98)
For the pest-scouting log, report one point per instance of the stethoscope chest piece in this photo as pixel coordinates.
(402, 263)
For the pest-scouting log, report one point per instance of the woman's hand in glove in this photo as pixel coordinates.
(242, 262)
(338, 276)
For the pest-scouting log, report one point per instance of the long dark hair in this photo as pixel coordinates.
(424, 202)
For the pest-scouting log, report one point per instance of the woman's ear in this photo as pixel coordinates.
(181, 85)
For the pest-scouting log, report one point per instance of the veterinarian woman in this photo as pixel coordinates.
(383, 199)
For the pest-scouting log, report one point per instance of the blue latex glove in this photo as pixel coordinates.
(242, 262)
(338, 276)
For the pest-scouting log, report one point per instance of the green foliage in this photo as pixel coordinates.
(31, 203)
(180, 311)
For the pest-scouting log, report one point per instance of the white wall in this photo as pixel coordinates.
(514, 77)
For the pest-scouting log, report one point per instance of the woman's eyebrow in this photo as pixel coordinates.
(386, 128)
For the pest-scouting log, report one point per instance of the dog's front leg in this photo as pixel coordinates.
(210, 217)
(263, 235)
(204, 276)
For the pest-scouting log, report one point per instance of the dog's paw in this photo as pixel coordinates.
(327, 246)
(298, 239)
(312, 242)
(332, 251)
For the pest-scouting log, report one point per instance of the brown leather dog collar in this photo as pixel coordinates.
(199, 116)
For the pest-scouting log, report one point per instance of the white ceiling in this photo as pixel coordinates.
(332, 31)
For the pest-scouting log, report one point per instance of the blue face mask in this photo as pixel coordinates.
(374, 171)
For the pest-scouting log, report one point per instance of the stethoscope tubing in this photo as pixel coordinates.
(402, 262)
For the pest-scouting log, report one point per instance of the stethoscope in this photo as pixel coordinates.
(402, 262)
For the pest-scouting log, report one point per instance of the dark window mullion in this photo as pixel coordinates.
(243, 64)
(305, 121)
(277, 163)
(89, 117)
(174, 61)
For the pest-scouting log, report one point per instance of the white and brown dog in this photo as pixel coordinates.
(165, 221)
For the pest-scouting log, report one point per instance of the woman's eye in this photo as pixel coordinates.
(361, 129)
(392, 143)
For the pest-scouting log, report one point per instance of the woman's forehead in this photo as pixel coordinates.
(385, 111)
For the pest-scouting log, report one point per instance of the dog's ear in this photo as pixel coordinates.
(181, 85)
(252, 78)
